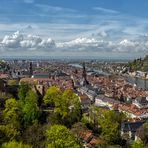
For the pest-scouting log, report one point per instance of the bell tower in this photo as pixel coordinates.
(84, 76)
(84, 71)
(30, 69)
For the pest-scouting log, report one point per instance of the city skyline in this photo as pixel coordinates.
(103, 29)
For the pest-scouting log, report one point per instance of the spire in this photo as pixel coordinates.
(30, 69)
(84, 71)
(84, 75)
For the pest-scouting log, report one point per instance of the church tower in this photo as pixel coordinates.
(84, 71)
(84, 75)
(30, 69)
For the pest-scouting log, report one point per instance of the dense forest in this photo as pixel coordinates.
(139, 64)
(55, 120)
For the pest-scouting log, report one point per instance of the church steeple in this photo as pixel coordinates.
(30, 69)
(84, 75)
(84, 71)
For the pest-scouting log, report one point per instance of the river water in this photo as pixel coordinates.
(141, 83)
(94, 70)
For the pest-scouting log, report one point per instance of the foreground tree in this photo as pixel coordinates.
(22, 91)
(51, 94)
(34, 135)
(138, 144)
(30, 109)
(58, 136)
(105, 122)
(11, 112)
(65, 105)
(92, 117)
(14, 144)
(110, 125)
(11, 115)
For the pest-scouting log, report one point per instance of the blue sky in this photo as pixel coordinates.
(103, 28)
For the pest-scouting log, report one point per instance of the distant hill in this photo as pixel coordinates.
(139, 64)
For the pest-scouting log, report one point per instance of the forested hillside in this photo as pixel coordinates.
(139, 64)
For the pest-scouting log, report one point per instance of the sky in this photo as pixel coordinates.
(74, 28)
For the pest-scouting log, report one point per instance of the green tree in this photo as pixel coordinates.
(11, 115)
(138, 144)
(14, 144)
(105, 122)
(8, 132)
(96, 116)
(34, 135)
(22, 91)
(110, 125)
(92, 117)
(110, 131)
(65, 104)
(68, 107)
(30, 109)
(51, 94)
(58, 136)
(11, 112)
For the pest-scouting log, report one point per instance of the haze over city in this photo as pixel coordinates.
(80, 28)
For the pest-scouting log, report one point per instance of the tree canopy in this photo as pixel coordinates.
(11, 112)
(22, 91)
(14, 144)
(106, 121)
(65, 104)
(58, 136)
(138, 144)
(30, 109)
(56, 123)
(51, 94)
(11, 115)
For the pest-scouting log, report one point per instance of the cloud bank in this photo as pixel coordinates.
(24, 42)
(18, 41)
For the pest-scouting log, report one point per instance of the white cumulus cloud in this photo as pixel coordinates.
(12, 40)
(26, 42)
(18, 41)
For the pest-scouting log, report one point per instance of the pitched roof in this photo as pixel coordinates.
(131, 126)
